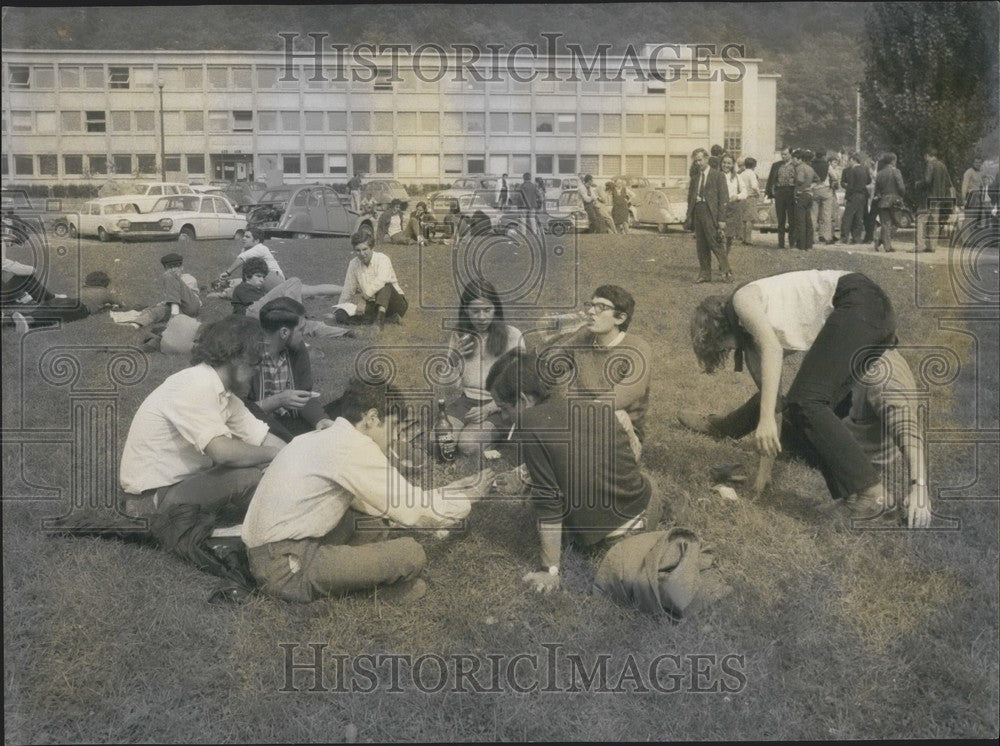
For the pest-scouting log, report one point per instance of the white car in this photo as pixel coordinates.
(99, 217)
(185, 217)
(147, 195)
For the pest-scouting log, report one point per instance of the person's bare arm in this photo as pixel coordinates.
(226, 451)
(749, 307)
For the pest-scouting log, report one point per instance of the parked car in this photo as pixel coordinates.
(478, 214)
(145, 196)
(659, 206)
(383, 191)
(185, 217)
(99, 217)
(306, 211)
(470, 185)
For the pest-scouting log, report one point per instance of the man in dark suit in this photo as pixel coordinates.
(708, 196)
(855, 179)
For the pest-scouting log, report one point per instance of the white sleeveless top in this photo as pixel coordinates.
(798, 304)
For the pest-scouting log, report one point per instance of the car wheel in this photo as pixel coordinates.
(61, 229)
(102, 235)
(558, 229)
(186, 234)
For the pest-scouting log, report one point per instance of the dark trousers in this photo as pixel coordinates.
(31, 284)
(870, 221)
(862, 324)
(44, 309)
(803, 232)
(744, 419)
(853, 223)
(388, 298)
(706, 237)
(784, 204)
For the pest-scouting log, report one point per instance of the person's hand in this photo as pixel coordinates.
(291, 398)
(477, 415)
(466, 344)
(324, 423)
(509, 483)
(766, 437)
(542, 581)
(474, 485)
(918, 507)
(722, 225)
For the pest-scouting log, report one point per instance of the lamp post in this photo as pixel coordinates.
(857, 118)
(163, 149)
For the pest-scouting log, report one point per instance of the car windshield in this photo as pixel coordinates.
(119, 208)
(187, 203)
(276, 195)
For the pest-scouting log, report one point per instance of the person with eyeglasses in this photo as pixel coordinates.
(371, 291)
(609, 360)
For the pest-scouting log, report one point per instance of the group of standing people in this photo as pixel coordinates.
(608, 210)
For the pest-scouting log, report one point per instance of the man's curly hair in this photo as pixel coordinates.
(232, 339)
(709, 329)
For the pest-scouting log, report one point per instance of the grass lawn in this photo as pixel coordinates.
(831, 632)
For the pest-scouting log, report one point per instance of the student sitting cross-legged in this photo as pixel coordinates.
(302, 528)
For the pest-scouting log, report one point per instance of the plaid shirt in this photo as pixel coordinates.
(275, 377)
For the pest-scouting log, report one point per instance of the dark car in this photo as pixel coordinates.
(311, 210)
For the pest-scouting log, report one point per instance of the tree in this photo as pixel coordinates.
(929, 81)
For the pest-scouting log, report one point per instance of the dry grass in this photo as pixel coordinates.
(844, 633)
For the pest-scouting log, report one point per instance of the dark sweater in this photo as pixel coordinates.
(590, 483)
(302, 380)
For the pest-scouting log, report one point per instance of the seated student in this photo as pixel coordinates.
(414, 231)
(482, 337)
(300, 528)
(96, 294)
(584, 499)
(193, 449)
(253, 248)
(838, 319)
(26, 301)
(178, 293)
(391, 224)
(371, 291)
(282, 384)
(880, 414)
(609, 360)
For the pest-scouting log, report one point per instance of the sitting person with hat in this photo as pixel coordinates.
(178, 294)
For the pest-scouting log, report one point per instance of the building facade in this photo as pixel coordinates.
(81, 116)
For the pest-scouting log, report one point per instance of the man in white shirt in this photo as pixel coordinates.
(253, 248)
(192, 441)
(751, 191)
(304, 529)
(370, 275)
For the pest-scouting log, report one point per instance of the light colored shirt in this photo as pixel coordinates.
(260, 251)
(972, 181)
(476, 367)
(167, 439)
(736, 192)
(369, 279)
(797, 304)
(750, 183)
(308, 487)
(395, 224)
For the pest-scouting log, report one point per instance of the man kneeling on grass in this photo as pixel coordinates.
(577, 495)
(193, 450)
(301, 529)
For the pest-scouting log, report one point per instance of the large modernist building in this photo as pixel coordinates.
(78, 116)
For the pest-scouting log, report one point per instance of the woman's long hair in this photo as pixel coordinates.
(496, 338)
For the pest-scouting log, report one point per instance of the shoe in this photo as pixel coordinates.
(405, 592)
(20, 323)
(702, 279)
(728, 277)
(696, 421)
(860, 506)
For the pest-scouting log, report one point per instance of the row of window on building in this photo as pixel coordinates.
(336, 164)
(382, 122)
(294, 77)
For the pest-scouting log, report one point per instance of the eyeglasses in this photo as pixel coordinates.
(598, 307)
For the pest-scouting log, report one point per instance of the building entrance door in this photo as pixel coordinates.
(229, 167)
